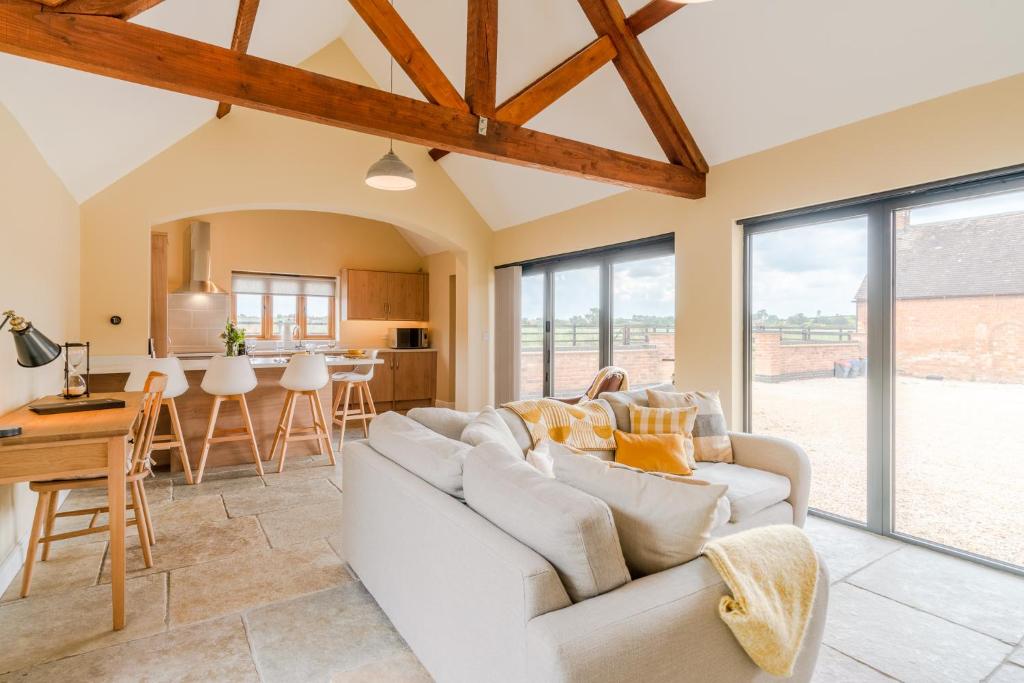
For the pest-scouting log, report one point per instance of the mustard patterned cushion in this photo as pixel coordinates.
(587, 426)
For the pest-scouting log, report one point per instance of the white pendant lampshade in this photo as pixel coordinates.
(391, 173)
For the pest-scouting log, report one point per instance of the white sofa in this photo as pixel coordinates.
(475, 604)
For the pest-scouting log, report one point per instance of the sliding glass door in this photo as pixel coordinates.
(579, 313)
(958, 392)
(887, 339)
(809, 350)
(576, 335)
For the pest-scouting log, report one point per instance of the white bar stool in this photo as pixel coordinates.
(358, 379)
(229, 378)
(305, 375)
(176, 386)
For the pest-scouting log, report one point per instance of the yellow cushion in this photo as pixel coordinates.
(652, 452)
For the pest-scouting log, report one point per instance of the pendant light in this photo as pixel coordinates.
(391, 173)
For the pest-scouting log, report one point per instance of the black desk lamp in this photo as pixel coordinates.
(34, 349)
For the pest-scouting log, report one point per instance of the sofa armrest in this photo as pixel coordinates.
(779, 456)
(663, 627)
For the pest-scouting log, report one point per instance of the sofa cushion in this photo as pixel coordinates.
(574, 531)
(750, 490)
(435, 459)
(488, 427)
(621, 400)
(662, 520)
(444, 421)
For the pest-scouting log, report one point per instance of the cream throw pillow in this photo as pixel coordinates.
(488, 426)
(711, 442)
(541, 456)
(663, 521)
(666, 421)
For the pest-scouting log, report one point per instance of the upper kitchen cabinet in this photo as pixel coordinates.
(378, 295)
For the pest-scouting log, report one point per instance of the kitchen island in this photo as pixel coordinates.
(265, 403)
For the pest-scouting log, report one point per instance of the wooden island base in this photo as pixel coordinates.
(405, 379)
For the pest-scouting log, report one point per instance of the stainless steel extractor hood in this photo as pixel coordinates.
(200, 264)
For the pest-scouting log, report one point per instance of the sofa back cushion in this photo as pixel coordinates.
(489, 427)
(621, 400)
(445, 421)
(572, 530)
(662, 520)
(432, 457)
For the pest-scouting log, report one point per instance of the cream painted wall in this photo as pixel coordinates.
(970, 131)
(39, 280)
(441, 267)
(252, 160)
(300, 243)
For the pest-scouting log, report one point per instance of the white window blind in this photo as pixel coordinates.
(265, 283)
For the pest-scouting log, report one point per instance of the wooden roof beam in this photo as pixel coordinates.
(644, 84)
(552, 86)
(138, 54)
(482, 57)
(244, 22)
(410, 54)
(120, 9)
(652, 14)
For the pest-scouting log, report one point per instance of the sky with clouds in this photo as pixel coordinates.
(804, 270)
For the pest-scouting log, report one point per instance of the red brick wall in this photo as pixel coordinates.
(776, 362)
(576, 368)
(970, 338)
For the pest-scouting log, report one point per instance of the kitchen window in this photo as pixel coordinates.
(263, 303)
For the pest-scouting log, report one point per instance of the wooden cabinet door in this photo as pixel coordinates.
(407, 296)
(415, 375)
(382, 385)
(367, 295)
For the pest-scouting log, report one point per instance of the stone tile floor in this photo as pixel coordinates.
(249, 585)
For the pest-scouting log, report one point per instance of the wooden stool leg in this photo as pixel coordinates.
(51, 513)
(172, 410)
(140, 524)
(217, 400)
(288, 398)
(336, 403)
(252, 435)
(33, 542)
(369, 399)
(287, 430)
(362, 408)
(324, 426)
(145, 511)
(314, 400)
(344, 414)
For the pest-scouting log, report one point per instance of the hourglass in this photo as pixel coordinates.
(76, 383)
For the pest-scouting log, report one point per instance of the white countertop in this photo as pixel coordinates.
(112, 365)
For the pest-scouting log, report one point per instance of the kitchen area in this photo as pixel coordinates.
(364, 289)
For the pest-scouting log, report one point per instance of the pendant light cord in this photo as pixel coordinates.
(391, 86)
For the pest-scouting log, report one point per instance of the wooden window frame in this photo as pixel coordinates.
(267, 321)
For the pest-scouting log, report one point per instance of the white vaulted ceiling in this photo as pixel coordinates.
(746, 75)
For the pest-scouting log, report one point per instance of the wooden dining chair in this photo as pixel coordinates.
(137, 468)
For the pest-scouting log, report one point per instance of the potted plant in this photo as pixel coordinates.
(232, 337)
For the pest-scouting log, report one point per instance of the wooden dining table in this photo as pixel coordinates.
(72, 446)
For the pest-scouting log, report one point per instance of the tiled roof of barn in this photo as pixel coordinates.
(982, 256)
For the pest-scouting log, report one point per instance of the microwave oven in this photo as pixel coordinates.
(407, 338)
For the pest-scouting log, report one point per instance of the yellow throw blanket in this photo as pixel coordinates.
(587, 426)
(773, 575)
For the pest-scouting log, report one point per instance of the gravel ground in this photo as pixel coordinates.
(959, 466)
